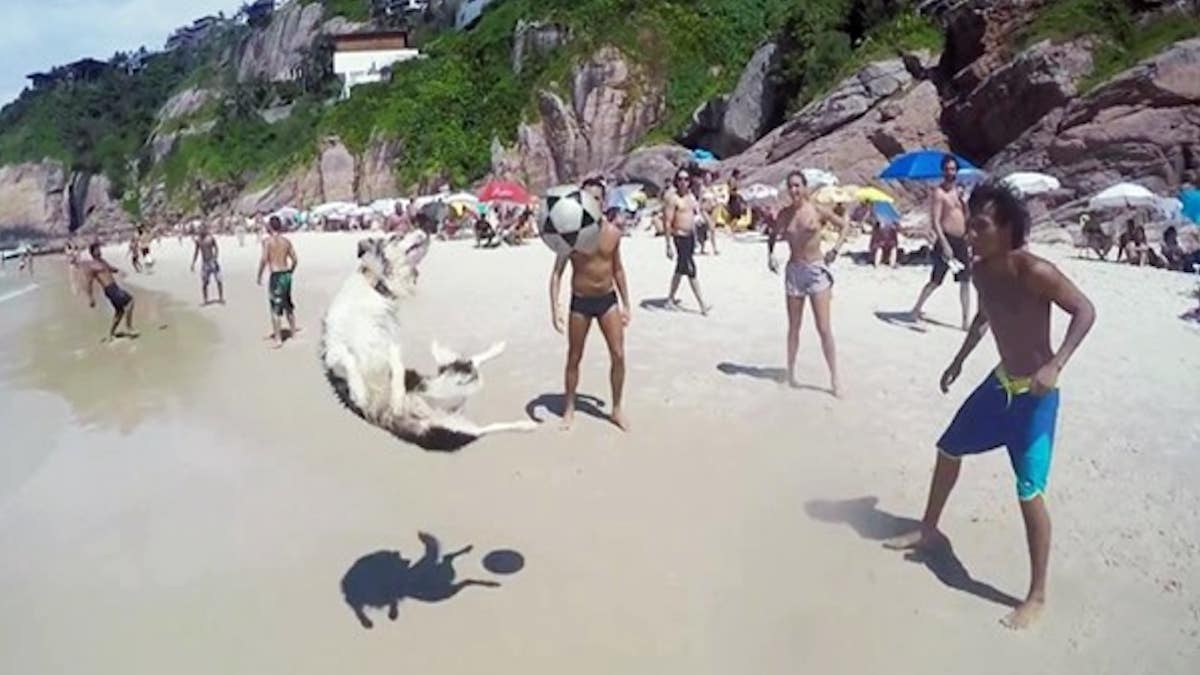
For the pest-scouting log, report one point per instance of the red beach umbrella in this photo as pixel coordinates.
(504, 191)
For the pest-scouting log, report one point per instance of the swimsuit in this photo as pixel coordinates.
(801, 279)
(119, 298)
(210, 269)
(594, 306)
(1003, 411)
(685, 249)
(280, 292)
(958, 247)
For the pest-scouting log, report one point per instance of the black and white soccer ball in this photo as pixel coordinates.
(569, 220)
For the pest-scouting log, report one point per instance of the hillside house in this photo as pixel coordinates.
(84, 70)
(259, 13)
(192, 36)
(359, 58)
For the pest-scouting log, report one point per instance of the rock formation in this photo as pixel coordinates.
(612, 104)
(1143, 124)
(869, 117)
(336, 174)
(729, 124)
(276, 53)
(39, 196)
(652, 166)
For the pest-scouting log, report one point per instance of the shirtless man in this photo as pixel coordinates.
(948, 214)
(681, 212)
(1017, 405)
(280, 255)
(210, 266)
(598, 291)
(99, 271)
(807, 274)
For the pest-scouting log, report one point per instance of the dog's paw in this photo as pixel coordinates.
(441, 355)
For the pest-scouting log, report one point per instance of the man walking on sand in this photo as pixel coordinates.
(210, 266)
(598, 291)
(1017, 405)
(681, 215)
(948, 216)
(97, 270)
(280, 255)
(807, 273)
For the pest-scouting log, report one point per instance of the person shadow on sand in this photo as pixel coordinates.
(384, 578)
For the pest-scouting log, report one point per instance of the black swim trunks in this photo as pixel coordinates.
(118, 296)
(685, 251)
(958, 246)
(593, 306)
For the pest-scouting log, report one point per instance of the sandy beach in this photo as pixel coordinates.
(189, 501)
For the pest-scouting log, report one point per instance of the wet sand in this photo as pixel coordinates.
(190, 501)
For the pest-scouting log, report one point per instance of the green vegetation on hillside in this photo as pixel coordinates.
(446, 109)
(1122, 40)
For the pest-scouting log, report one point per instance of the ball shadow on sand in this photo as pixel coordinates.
(385, 578)
(870, 522)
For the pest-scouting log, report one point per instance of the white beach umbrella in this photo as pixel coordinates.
(1127, 195)
(1031, 183)
(816, 178)
(759, 192)
(333, 209)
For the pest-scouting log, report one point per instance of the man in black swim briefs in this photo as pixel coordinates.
(99, 271)
(681, 212)
(598, 291)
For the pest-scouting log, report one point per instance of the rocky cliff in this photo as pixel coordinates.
(276, 53)
(42, 195)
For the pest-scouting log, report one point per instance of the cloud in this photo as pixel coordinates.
(36, 36)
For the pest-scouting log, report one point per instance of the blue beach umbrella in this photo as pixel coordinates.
(921, 165)
(885, 212)
(702, 155)
(1191, 204)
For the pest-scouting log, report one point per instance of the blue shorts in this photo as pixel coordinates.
(1001, 411)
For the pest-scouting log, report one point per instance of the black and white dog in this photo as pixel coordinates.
(360, 350)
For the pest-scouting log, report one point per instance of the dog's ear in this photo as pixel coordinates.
(365, 245)
(441, 355)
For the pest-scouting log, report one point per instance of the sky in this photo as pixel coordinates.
(36, 35)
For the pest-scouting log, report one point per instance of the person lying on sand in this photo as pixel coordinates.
(598, 291)
(1017, 405)
(97, 270)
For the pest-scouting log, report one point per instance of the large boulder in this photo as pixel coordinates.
(186, 103)
(612, 104)
(981, 36)
(849, 100)
(335, 175)
(1144, 124)
(729, 124)
(39, 195)
(857, 149)
(652, 166)
(276, 53)
(336, 167)
(376, 178)
(1015, 97)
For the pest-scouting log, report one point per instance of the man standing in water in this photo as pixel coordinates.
(807, 273)
(210, 267)
(280, 255)
(1017, 405)
(681, 215)
(99, 271)
(948, 216)
(598, 291)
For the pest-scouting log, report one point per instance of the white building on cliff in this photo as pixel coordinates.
(359, 58)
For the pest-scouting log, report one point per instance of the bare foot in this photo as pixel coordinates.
(276, 344)
(835, 388)
(916, 316)
(674, 304)
(924, 538)
(618, 418)
(1024, 615)
(568, 419)
(705, 309)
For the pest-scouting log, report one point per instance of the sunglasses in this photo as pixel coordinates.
(681, 177)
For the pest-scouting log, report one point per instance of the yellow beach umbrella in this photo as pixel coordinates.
(836, 194)
(873, 194)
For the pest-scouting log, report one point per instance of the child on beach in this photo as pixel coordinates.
(1017, 405)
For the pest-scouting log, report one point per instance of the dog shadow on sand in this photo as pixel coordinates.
(556, 404)
(870, 522)
(385, 578)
